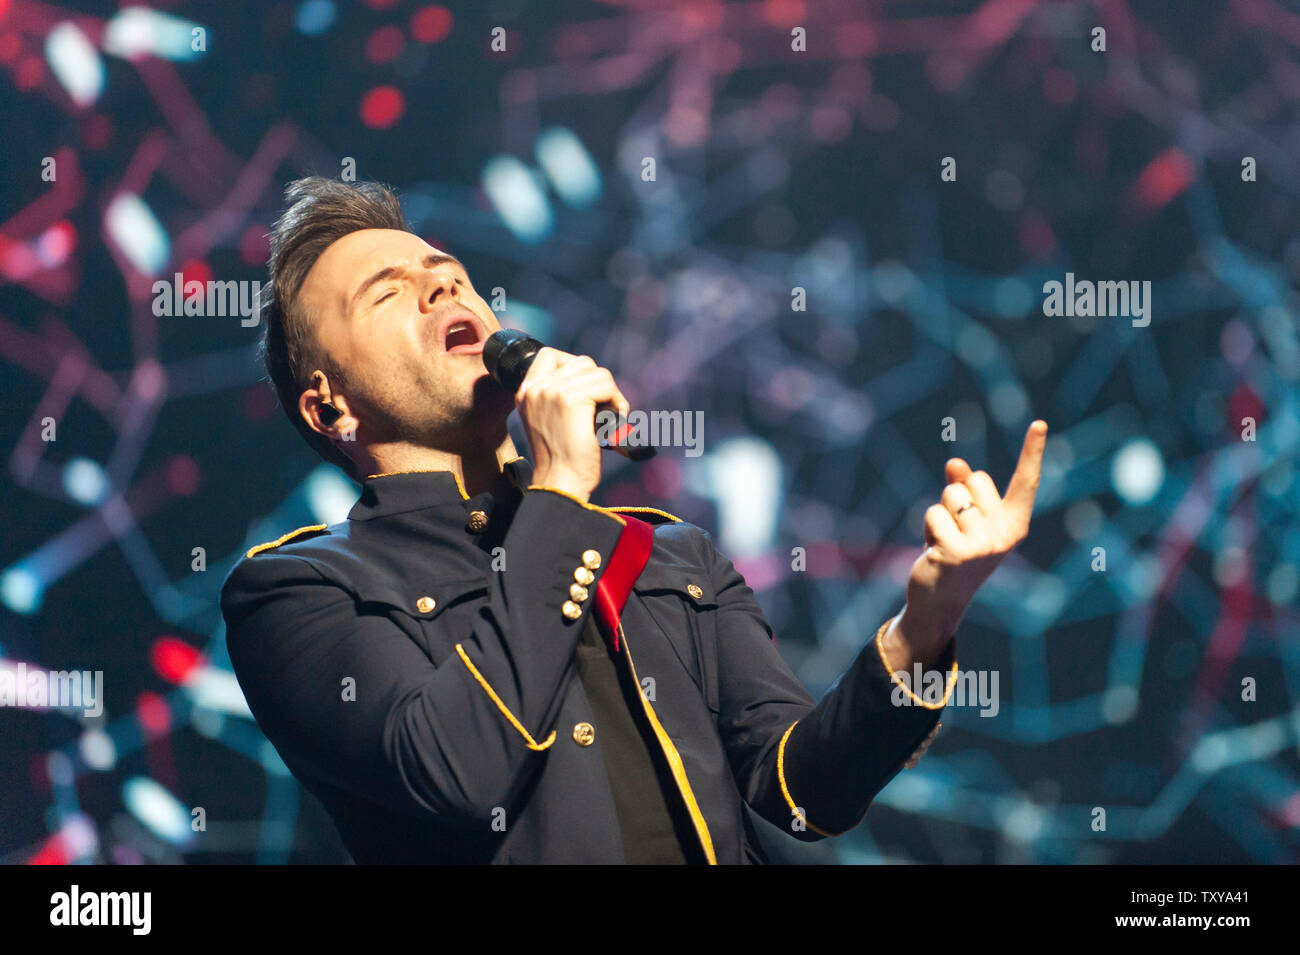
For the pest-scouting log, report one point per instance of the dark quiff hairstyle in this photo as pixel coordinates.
(320, 211)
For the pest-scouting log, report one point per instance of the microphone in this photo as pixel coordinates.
(509, 353)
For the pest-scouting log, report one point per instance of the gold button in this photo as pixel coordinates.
(425, 604)
(583, 576)
(578, 592)
(591, 559)
(694, 591)
(571, 610)
(478, 521)
(584, 734)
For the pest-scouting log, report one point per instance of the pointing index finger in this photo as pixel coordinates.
(1024, 483)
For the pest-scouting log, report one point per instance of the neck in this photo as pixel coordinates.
(479, 468)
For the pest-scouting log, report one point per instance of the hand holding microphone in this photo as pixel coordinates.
(558, 396)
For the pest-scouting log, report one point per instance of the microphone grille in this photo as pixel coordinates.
(507, 354)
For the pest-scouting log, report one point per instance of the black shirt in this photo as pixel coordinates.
(643, 787)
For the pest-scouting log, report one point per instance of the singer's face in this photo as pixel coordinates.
(402, 322)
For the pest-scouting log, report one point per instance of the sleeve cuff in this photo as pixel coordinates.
(900, 678)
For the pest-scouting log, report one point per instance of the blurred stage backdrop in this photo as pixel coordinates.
(795, 146)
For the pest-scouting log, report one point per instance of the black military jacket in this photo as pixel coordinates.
(414, 667)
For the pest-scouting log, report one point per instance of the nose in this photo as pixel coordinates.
(441, 286)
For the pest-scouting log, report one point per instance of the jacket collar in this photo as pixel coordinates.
(399, 491)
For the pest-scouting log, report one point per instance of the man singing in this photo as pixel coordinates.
(479, 664)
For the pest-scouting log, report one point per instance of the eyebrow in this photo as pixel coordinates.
(432, 260)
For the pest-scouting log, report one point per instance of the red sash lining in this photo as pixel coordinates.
(626, 563)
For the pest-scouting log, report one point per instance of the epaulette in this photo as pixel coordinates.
(309, 529)
(648, 513)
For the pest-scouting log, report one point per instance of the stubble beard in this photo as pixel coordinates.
(460, 422)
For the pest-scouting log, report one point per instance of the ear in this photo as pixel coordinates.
(326, 412)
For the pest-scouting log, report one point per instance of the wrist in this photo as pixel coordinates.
(913, 637)
(567, 482)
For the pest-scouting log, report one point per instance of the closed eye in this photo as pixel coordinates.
(392, 291)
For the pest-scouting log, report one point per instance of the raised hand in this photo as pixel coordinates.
(557, 403)
(967, 534)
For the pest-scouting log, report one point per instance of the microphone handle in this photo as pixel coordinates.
(640, 452)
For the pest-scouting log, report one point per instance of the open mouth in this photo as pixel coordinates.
(462, 336)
